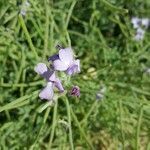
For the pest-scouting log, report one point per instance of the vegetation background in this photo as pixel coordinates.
(101, 34)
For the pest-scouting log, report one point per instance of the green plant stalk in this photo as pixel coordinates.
(46, 29)
(138, 128)
(80, 129)
(23, 80)
(53, 124)
(19, 71)
(69, 121)
(70, 12)
(18, 102)
(22, 23)
(121, 124)
(42, 126)
(89, 112)
(113, 8)
(7, 85)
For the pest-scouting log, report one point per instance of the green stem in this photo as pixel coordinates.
(138, 128)
(121, 124)
(53, 125)
(18, 102)
(113, 8)
(42, 126)
(89, 112)
(70, 12)
(81, 130)
(69, 121)
(22, 23)
(46, 30)
(21, 84)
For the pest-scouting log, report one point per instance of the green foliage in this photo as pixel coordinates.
(101, 35)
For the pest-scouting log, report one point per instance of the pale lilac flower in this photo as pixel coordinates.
(47, 92)
(65, 61)
(24, 8)
(140, 25)
(139, 34)
(145, 22)
(52, 80)
(136, 22)
(75, 91)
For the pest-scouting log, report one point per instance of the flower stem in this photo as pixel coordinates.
(46, 29)
(138, 128)
(69, 121)
(121, 124)
(22, 23)
(53, 125)
(81, 130)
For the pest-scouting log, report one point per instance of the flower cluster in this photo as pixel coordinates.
(140, 25)
(63, 61)
(24, 8)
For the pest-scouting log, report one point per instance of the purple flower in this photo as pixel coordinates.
(65, 61)
(139, 34)
(52, 80)
(136, 22)
(75, 91)
(145, 22)
(47, 92)
(24, 8)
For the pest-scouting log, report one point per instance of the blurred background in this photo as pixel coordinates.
(113, 111)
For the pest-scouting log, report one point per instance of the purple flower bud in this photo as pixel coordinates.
(75, 91)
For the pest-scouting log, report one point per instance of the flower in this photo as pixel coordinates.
(24, 8)
(145, 22)
(47, 92)
(52, 80)
(65, 61)
(139, 34)
(136, 22)
(75, 91)
(140, 24)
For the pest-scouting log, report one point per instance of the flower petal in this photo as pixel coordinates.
(66, 56)
(136, 22)
(59, 85)
(139, 34)
(145, 22)
(40, 68)
(59, 65)
(74, 68)
(47, 92)
(52, 78)
(53, 58)
(77, 62)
